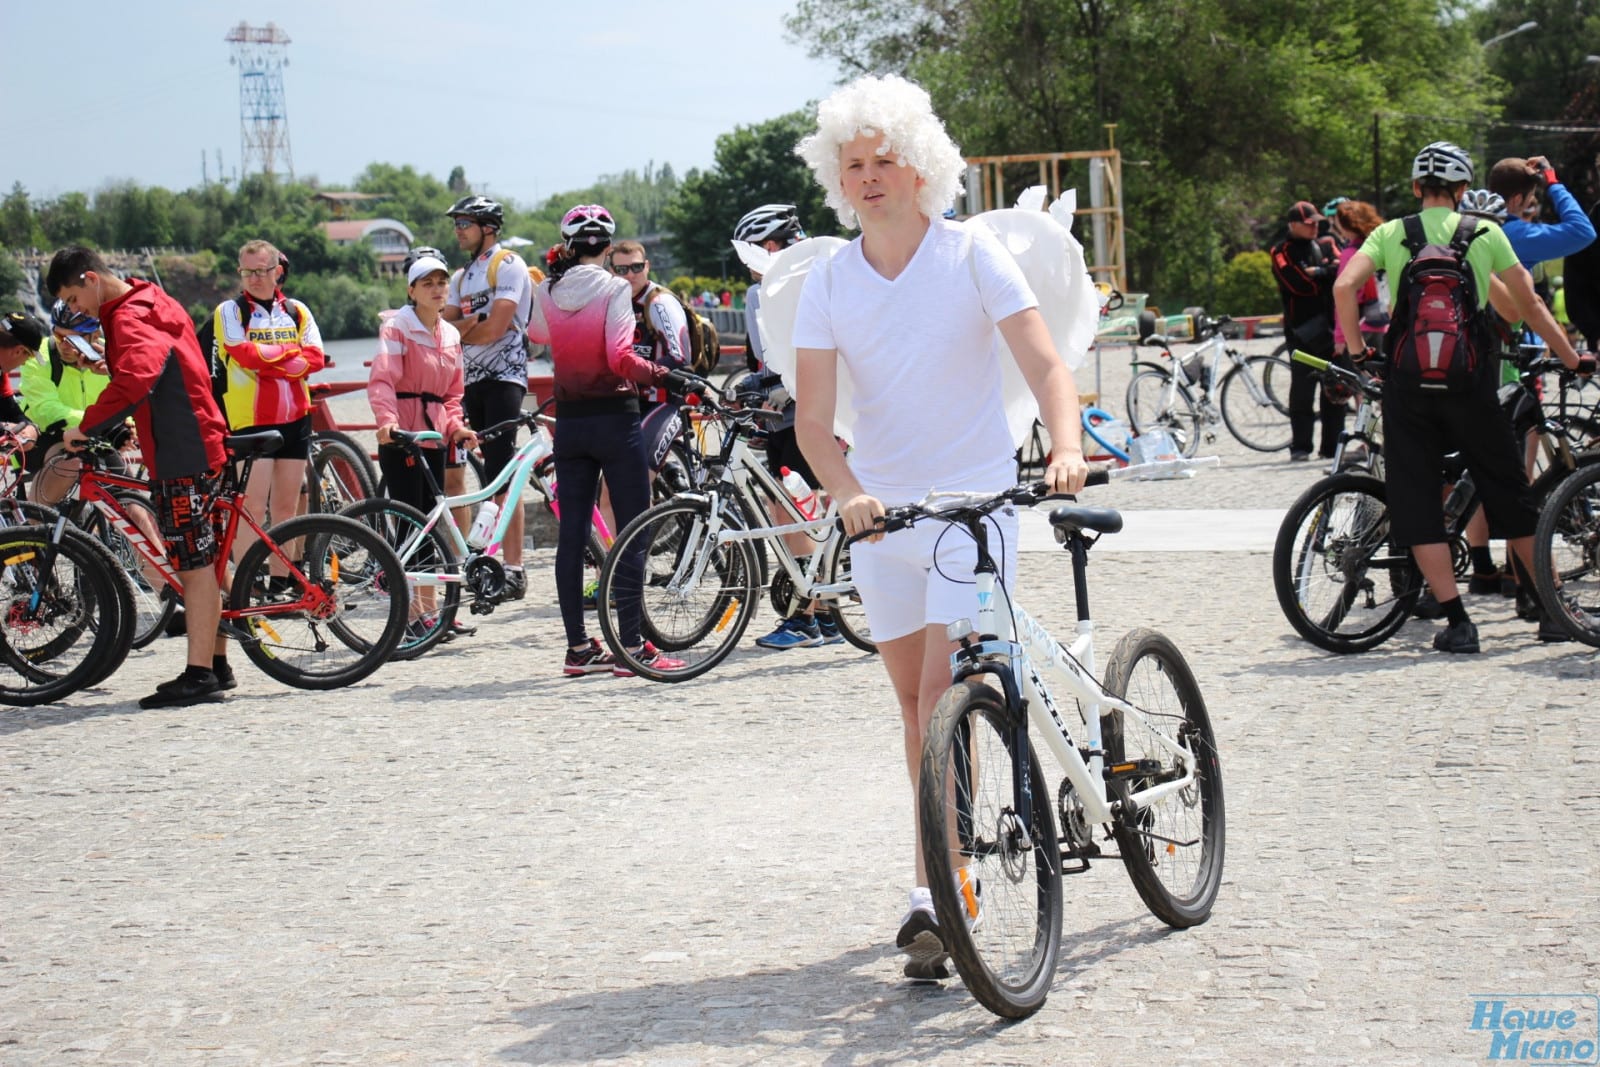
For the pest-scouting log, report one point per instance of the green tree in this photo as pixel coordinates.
(12, 281)
(17, 226)
(753, 165)
(1543, 68)
(65, 220)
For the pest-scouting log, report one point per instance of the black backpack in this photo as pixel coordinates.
(1438, 341)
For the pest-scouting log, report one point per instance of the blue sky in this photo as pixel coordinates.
(531, 97)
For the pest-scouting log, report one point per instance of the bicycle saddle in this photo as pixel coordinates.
(251, 445)
(1074, 518)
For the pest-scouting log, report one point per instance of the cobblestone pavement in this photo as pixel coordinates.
(469, 859)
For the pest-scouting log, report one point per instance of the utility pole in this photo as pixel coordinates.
(258, 52)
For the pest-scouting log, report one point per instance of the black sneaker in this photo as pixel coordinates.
(459, 629)
(1427, 607)
(516, 584)
(1458, 637)
(1528, 608)
(1484, 584)
(1550, 630)
(225, 678)
(184, 690)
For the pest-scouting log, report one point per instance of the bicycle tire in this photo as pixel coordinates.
(1147, 412)
(1173, 849)
(1333, 540)
(338, 475)
(78, 634)
(399, 524)
(691, 590)
(1010, 874)
(1260, 424)
(1566, 555)
(153, 601)
(848, 613)
(366, 618)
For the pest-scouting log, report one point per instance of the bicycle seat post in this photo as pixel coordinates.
(1078, 547)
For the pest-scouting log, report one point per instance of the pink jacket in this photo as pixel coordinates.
(416, 380)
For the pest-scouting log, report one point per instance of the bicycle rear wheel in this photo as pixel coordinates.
(339, 624)
(1340, 581)
(996, 881)
(1173, 848)
(1566, 555)
(65, 614)
(1255, 403)
(696, 597)
(1148, 408)
(432, 569)
(339, 473)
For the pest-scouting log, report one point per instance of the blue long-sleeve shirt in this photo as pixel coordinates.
(1535, 242)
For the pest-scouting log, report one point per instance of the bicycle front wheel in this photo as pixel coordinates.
(1151, 408)
(695, 596)
(1255, 403)
(432, 569)
(339, 473)
(1339, 579)
(995, 874)
(336, 626)
(153, 601)
(1172, 847)
(1566, 555)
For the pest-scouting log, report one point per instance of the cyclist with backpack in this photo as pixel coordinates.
(661, 335)
(489, 304)
(1439, 393)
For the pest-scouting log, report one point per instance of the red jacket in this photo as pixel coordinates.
(159, 375)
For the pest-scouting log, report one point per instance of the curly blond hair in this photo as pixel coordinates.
(903, 113)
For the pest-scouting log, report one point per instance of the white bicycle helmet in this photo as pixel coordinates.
(1483, 203)
(588, 224)
(770, 222)
(1444, 161)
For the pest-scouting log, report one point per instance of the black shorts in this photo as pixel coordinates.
(783, 450)
(489, 402)
(404, 476)
(296, 438)
(191, 524)
(1419, 431)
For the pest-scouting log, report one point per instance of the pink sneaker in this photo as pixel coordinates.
(590, 660)
(650, 656)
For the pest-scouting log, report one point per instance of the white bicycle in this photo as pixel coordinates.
(1137, 751)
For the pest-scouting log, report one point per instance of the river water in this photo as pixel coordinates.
(351, 356)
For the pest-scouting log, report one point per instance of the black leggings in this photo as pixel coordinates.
(587, 446)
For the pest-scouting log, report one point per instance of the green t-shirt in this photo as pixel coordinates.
(1489, 253)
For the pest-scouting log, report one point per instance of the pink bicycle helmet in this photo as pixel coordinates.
(587, 224)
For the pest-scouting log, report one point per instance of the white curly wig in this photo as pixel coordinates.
(903, 113)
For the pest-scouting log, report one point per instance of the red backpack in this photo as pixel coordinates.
(1437, 340)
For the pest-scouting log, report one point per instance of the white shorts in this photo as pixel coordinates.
(903, 590)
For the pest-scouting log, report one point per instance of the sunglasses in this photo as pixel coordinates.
(257, 272)
(465, 224)
(630, 268)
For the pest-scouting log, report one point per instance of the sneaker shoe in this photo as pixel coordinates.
(516, 584)
(178, 625)
(1485, 584)
(459, 629)
(590, 660)
(829, 630)
(417, 629)
(919, 935)
(184, 690)
(1458, 637)
(1528, 606)
(225, 677)
(651, 657)
(793, 633)
(1550, 630)
(1299, 457)
(1427, 607)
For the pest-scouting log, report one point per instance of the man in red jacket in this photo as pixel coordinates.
(159, 375)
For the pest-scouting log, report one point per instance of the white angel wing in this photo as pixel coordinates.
(1052, 261)
(753, 256)
(781, 283)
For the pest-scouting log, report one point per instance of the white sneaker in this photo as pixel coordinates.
(919, 936)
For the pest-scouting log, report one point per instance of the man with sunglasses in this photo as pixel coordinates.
(490, 300)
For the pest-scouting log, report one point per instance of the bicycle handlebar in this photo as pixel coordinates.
(1369, 385)
(962, 507)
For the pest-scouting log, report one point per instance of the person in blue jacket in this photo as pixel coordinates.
(1519, 182)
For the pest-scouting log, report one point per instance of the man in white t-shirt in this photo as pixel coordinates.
(490, 300)
(911, 308)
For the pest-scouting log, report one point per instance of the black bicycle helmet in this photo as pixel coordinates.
(422, 252)
(479, 209)
(770, 222)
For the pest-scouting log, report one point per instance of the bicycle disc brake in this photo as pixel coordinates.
(486, 580)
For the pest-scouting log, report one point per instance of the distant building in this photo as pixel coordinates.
(341, 203)
(389, 238)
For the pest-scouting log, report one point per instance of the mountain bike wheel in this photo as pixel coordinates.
(64, 614)
(1001, 921)
(434, 601)
(339, 473)
(1340, 581)
(153, 600)
(1173, 848)
(1255, 403)
(848, 614)
(1566, 555)
(1148, 408)
(344, 638)
(696, 597)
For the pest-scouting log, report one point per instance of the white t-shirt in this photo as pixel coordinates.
(922, 352)
(506, 357)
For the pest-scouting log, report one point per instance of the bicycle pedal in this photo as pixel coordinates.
(481, 608)
(1139, 768)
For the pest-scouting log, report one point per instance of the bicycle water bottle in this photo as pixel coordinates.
(805, 497)
(483, 525)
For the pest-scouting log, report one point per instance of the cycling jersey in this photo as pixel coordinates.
(266, 360)
(663, 337)
(506, 357)
(587, 319)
